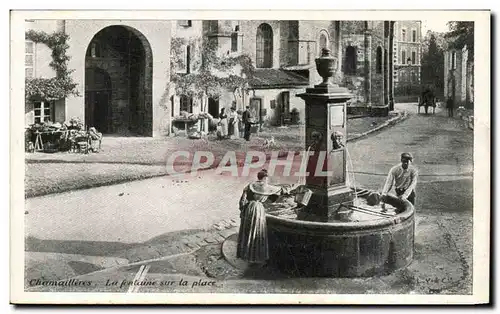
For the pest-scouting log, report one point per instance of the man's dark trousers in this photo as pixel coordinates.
(248, 126)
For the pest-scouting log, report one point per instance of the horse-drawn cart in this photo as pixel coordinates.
(427, 102)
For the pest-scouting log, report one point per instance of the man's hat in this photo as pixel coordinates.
(407, 156)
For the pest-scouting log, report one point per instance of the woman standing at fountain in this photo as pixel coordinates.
(252, 237)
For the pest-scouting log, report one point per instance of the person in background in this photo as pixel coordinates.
(450, 106)
(223, 123)
(233, 123)
(241, 125)
(247, 121)
(404, 179)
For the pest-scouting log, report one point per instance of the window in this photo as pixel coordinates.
(184, 64)
(403, 57)
(188, 59)
(29, 59)
(350, 60)
(213, 26)
(172, 106)
(234, 42)
(43, 111)
(186, 104)
(414, 57)
(453, 60)
(414, 36)
(185, 23)
(413, 76)
(379, 60)
(403, 34)
(264, 45)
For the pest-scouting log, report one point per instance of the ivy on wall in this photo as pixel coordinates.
(209, 75)
(60, 86)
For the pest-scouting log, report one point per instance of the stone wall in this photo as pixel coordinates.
(377, 79)
(353, 34)
(455, 79)
(355, 83)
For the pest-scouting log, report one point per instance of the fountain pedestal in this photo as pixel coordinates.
(325, 119)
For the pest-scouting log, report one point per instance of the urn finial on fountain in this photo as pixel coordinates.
(326, 65)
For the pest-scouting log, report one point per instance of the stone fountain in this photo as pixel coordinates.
(337, 233)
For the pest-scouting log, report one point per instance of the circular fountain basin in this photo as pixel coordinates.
(370, 245)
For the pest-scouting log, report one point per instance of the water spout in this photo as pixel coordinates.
(352, 174)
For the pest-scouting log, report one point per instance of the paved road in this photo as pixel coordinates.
(137, 211)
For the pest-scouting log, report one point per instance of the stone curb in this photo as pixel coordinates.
(391, 122)
(217, 234)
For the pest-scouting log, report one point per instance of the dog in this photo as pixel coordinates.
(268, 143)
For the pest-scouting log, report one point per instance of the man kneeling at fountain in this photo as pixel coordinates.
(252, 237)
(404, 179)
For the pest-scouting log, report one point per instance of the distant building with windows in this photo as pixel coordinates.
(407, 53)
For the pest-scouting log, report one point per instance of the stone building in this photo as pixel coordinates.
(367, 65)
(407, 56)
(283, 54)
(121, 69)
(459, 76)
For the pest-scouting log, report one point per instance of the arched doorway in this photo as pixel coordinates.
(118, 82)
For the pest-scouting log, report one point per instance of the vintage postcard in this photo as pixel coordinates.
(250, 157)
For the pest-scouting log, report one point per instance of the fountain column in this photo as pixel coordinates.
(325, 116)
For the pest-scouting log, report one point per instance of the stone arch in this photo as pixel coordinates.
(126, 55)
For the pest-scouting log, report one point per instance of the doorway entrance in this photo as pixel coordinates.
(213, 107)
(118, 82)
(98, 100)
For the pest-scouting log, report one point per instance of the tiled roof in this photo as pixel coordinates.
(277, 78)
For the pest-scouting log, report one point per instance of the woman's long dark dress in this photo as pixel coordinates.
(252, 238)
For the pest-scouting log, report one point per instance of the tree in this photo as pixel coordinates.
(461, 34)
(433, 66)
(439, 37)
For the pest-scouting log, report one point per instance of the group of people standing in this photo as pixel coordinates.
(235, 125)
